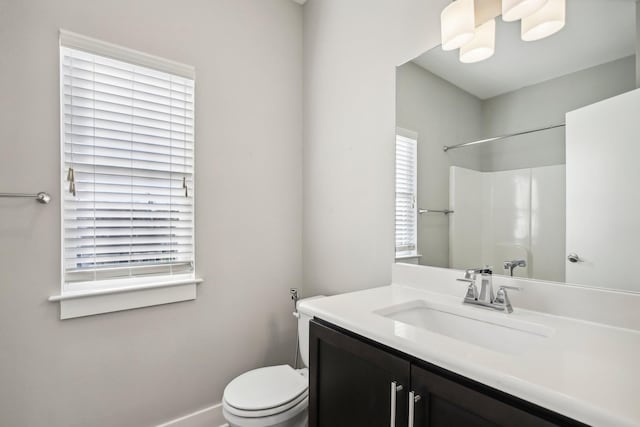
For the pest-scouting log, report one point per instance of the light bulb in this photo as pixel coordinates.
(482, 46)
(458, 24)
(547, 21)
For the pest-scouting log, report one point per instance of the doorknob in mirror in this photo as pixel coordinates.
(573, 258)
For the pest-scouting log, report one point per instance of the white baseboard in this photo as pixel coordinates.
(207, 417)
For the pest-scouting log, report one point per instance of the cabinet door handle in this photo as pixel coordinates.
(395, 388)
(413, 399)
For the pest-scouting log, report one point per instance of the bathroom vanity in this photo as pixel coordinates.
(412, 354)
(358, 382)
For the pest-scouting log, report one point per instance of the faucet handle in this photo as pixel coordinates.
(472, 291)
(470, 274)
(502, 299)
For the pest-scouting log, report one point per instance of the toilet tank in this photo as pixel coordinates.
(303, 331)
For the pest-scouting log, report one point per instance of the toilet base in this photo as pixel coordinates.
(299, 420)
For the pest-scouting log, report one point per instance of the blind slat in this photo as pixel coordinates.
(113, 103)
(97, 88)
(104, 74)
(99, 127)
(123, 68)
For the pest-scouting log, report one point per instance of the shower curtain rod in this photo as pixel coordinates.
(498, 138)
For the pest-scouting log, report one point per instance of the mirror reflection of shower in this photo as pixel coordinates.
(512, 216)
(510, 265)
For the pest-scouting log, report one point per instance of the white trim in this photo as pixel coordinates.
(99, 47)
(407, 133)
(61, 175)
(88, 303)
(210, 417)
(409, 256)
(86, 293)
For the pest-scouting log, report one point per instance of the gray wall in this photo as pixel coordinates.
(637, 45)
(441, 114)
(146, 366)
(351, 51)
(544, 104)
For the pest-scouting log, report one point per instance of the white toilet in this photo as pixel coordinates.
(275, 396)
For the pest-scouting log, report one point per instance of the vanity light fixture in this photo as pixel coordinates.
(548, 20)
(469, 25)
(458, 24)
(482, 46)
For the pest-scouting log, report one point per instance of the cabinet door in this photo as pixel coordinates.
(350, 382)
(445, 403)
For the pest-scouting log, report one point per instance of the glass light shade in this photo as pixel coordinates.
(512, 10)
(483, 44)
(458, 24)
(547, 21)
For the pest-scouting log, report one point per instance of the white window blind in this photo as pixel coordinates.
(406, 211)
(128, 165)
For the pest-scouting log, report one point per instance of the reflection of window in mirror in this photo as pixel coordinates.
(406, 191)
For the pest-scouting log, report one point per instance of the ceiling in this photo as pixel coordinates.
(597, 31)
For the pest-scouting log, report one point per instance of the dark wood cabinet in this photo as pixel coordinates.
(351, 377)
(351, 381)
(445, 403)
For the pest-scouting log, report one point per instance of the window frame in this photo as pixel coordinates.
(85, 298)
(413, 138)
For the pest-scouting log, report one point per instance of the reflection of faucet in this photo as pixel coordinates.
(510, 265)
(486, 298)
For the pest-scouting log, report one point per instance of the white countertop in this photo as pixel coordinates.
(586, 371)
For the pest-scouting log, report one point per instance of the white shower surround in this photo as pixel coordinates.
(506, 215)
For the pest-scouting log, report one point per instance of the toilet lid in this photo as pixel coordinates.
(265, 388)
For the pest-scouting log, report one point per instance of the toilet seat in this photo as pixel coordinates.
(302, 399)
(266, 392)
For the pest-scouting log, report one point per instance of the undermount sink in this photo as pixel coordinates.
(493, 331)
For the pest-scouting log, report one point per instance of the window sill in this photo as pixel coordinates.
(408, 256)
(87, 302)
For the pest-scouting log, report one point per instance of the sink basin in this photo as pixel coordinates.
(494, 331)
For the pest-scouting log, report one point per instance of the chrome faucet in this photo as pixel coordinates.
(486, 297)
(510, 265)
(486, 285)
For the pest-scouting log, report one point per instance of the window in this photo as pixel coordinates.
(127, 130)
(406, 211)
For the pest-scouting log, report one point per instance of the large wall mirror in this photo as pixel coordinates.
(540, 171)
